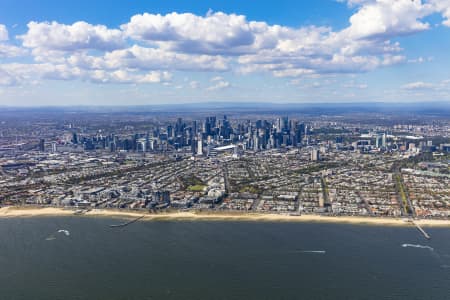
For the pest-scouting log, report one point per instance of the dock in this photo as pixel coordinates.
(421, 230)
(127, 223)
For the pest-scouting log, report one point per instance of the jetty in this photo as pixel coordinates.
(421, 230)
(126, 223)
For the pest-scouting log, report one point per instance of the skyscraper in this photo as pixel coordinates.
(42, 145)
(199, 145)
(54, 147)
(315, 155)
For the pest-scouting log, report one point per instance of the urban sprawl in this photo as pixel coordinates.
(365, 165)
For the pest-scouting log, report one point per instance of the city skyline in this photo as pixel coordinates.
(99, 53)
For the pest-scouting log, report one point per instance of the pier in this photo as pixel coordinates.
(127, 223)
(421, 230)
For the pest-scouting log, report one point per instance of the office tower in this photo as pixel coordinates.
(315, 155)
(194, 127)
(170, 132)
(75, 138)
(279, 125)
(112, 147)
(300, 132)
(255, 142)
(378, 141)
(285, 124)
(199, 145)
(383, 144)
(53, 147)
(42, 145)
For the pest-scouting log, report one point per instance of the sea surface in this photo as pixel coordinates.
(219, 260)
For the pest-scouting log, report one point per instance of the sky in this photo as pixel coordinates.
(143, 52)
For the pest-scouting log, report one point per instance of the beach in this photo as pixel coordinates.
(20, 211)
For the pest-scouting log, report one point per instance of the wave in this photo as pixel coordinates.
(417, 246)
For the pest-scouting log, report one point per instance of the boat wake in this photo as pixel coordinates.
(53, 237)
(433, 253)
(66, 232)
(417, 246)
(314, 251)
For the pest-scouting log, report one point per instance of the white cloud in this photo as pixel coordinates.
(123, 76)
(443, 6)
(278, 49)
(78, 36)
(419, 85)
(17, 73)
(151, 45)
(216, 33)
(11, 51)
(7, 50)
(154, 58)
(217, 78)
(3, 33)
(388, 18)
(194, 84)
(219, 85)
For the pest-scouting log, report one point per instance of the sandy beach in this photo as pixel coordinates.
(14, 211)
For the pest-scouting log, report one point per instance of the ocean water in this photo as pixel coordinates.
(219, 260)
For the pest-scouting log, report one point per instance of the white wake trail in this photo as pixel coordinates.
(314, 251)
(417, 246)
(66, 232)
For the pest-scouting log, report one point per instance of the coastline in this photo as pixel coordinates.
(18, 211)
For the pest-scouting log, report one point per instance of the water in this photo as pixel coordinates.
(219, 260)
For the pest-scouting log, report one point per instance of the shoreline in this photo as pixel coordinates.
(18, 211)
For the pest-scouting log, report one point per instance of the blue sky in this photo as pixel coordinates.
(149, 52)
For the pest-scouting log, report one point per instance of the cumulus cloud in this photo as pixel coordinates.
(151, 58)
(387, 18)
(17, 73)
(78, 36)
(216, 33)
(405, 14)
(11, 51)
(443, 6)
(8, 50)
(151, 46)
(123, 76)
